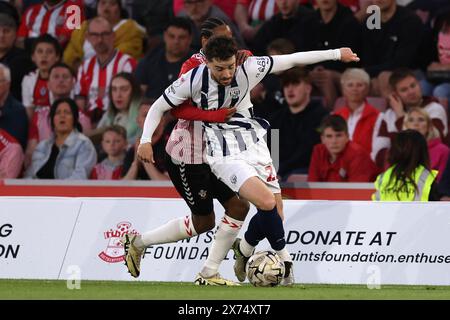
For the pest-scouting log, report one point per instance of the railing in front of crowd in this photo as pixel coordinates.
(165, 189)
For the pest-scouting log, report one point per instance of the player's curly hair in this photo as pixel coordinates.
(220, 48)
(208, 26)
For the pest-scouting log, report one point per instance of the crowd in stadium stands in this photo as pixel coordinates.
(76, 85)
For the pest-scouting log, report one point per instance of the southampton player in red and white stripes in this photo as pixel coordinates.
(95, 74)
(55, 17)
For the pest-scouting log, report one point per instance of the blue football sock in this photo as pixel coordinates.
(254, 233)
(272, 226)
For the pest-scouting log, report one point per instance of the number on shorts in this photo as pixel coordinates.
(271, 177)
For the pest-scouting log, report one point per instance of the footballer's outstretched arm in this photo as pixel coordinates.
(287, 61)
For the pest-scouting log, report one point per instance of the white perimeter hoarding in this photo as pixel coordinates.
(331, 242)
(34, 236)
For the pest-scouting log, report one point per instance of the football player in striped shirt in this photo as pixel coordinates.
(236, 150)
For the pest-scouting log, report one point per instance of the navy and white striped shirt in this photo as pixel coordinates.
(242, 130)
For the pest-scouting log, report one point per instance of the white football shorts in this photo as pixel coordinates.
(254, 162)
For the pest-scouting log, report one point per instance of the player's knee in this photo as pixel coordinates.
(267, 203)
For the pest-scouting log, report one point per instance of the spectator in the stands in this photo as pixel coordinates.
(157, 70)
(11, 10)
(444, 184)
(153, 15)
(67, 154)
(251, 14)
(409, 177)
(123, 108)
(11, 156)
(61, 84)
(200, 10)
(13, 57)
(298, 123)
(438, 72)
(419, 120)
(392, 46)
(13, 117)
(337, 28)
(428, 10)
(227, 7)
(337, 159)
(114, 145)
(129, 36)
(359, 114)
(46, 51)
(293, 22)
(95, 74)
(55, 17)
(133, 169)
(406, 94)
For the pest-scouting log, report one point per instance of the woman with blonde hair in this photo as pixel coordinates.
(418, 119)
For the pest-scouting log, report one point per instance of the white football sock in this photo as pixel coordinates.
(284, 255)
(223, 240)
(172, 231)
(246, 248)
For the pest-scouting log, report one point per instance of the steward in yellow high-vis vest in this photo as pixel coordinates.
(390, 189)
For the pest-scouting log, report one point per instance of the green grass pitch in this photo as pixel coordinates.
(104, 290)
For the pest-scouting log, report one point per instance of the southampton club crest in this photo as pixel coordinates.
(114, 251)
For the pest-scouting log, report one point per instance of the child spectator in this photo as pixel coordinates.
(419, 120)
(46, 51)
(337, 159)
(114, 144)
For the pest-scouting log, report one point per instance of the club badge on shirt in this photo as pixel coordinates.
(234, 93)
